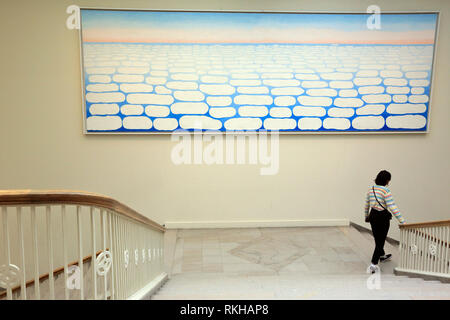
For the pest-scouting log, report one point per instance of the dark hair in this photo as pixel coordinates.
(383, 178)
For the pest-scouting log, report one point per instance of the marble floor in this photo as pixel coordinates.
(283, 263)
(266, 251)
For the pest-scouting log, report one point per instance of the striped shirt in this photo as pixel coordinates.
(385, 198)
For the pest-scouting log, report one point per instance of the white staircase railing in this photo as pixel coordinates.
(76, 245)
(425, 249)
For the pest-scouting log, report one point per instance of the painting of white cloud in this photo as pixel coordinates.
(160, 71)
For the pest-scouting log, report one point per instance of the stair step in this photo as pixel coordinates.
(360, 242)
(314, 284)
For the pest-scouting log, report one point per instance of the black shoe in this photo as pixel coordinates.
(385, 257)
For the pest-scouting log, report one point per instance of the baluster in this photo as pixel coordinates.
(155, 260)
(133, 275)
(150, 244)
(434, 235)
(161, 251)
(420, 250)
(138, 247)
(132, 272)
(37, 290)
(111, 249)
(447, 249)
(66, 289)
(438, 248)
(116, 256)
(7, 246)
(120, 257)
(414, 256)
(158, 251)
(161, 235)
(147, 261)
(94, 256)
(149, 255)
(429, 257)
(424, 249)
(433, 241)
(408, 246)
(145, 246)
(417, 257)
(144, 260)
(405, 244)
(413, 242)
(138, 275)
(123, 247)
(130, 257)
(23, 285)
(444, 248)
(441, 248)
(80, 252)
(142, 249)
(103, 231)
(51, 278)
(150, 251)
(411, 256)
(401, 250)
(155, 252)
(430, 241)
(144, 264)
(129, 261)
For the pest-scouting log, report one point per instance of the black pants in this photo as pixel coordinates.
(379, 221)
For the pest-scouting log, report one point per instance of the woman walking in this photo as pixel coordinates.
(381, 205)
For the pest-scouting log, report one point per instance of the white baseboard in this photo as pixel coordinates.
(147, 291)
(256, 224)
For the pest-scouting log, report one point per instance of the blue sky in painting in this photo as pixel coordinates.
(149, 19)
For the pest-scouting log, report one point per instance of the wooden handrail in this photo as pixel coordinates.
(55, 273)
(425, 224)
(48, 197)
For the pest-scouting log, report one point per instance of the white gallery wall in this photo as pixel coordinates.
(321, 176)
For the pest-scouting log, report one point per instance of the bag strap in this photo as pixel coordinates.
(373, 188)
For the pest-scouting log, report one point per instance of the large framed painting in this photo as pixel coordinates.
(161, 71)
